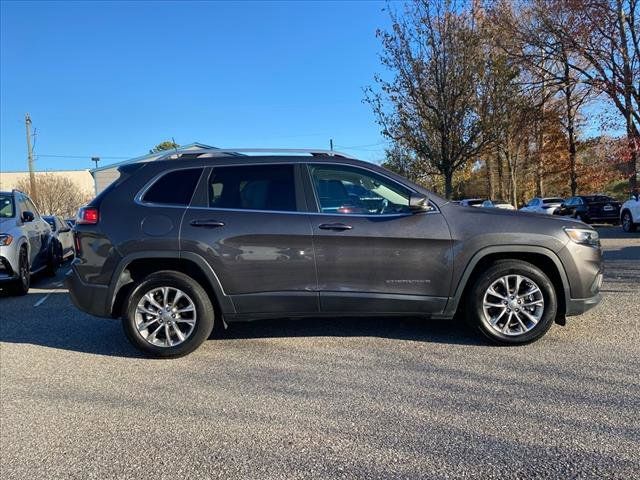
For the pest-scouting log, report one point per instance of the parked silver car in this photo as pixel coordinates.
(26, 243)
(63, 236)
(547, 205)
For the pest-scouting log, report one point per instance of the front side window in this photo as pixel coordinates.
(174, 188)
(253, 187)
(352, 190)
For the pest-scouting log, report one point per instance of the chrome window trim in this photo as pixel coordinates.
(149, 184)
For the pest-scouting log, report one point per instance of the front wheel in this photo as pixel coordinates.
(627, 223)
(513, 302)
(22, 284)
(168, 315)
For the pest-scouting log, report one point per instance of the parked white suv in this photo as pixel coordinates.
(630, 214)
(26, 245)
(546, 205)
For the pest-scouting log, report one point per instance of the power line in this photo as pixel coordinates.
(80, 156)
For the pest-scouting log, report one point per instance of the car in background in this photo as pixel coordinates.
(591, 209)
(26, 243)
(546, 205)
(471, 202)
(630, 214)
(71, 222)
(497, 204)
(63, 235)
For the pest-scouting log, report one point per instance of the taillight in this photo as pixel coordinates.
(88, 216)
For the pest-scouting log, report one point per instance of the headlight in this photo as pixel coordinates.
(583, 236)
(5, 239)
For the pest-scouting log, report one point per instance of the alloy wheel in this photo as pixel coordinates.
(626, 222)
(513, 305)
(165, 316)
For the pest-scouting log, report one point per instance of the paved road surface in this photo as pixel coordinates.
(370, 398)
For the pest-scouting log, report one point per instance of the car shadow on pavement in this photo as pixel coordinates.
(57, 324)
(397, 328)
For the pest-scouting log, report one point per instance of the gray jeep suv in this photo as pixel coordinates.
(176, 245)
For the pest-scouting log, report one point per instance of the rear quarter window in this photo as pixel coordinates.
(174, 188)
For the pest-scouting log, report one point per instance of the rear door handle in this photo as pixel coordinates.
(334, 226)
(206, 223)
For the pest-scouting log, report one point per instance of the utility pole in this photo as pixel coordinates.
(331, 144)
(32, 175)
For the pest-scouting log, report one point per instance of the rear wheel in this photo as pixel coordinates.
(55, 259)
(627, 223)
(21, 285)
(513, 302)
(168, 315)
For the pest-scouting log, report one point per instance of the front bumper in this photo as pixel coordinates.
(577, 306)
(8, 262)
(91, 299)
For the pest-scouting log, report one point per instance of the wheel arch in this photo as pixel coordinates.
(541, 257)
(135, 267)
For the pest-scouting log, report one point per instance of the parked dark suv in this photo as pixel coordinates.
(175, 245)
(591, 209)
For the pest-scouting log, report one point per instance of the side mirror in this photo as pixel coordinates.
(418, 203)
(28, 216)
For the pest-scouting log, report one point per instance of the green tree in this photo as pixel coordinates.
(162, 146)
(428, 105)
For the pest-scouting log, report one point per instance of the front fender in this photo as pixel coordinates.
(511, 251)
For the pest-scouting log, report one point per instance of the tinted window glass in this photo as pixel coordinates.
(174, 188)
(350, 190)
(256, 187)
(51, 221)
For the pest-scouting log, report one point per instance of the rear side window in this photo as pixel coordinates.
(174, 188)
(255, 187)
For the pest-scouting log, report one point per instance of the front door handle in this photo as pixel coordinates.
(206, 223)
(335, 226)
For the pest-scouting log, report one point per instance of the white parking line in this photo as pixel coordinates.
(44, 299)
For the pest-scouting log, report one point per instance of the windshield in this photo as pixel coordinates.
(7, 209)
(51, 221)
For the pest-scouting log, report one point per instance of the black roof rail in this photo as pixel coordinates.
(224, 152)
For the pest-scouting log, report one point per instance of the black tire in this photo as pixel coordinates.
(627, 222)
(21, 285)
(54, 259)
(474, 309)
(581, 217)
(204, 314)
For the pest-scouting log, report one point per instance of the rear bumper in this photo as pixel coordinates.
(577, 306)
(89, 298)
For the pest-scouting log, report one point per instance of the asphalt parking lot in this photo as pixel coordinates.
(343, 398)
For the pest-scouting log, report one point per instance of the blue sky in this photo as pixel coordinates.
(115, 78)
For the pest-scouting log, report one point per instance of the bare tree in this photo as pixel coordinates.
(605, 34)
(532, 39)
(430, 105)
(57, 195)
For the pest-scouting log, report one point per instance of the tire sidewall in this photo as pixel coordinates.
(627, 225)
(511, 268)
(22, 285)
(204, 314)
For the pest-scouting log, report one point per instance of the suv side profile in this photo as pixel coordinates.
(174, 246)
(26, 245)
